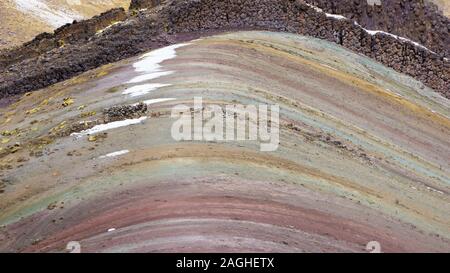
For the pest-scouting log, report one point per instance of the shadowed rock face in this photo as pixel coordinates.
(75, 33)
(363, 155)
(21, 20)
(143, 4)
(184, 20)
(418, 20)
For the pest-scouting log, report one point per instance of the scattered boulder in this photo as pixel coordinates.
(122, 112)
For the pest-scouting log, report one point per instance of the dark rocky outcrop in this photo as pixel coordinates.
(121, 112)
(420, 21)
(180, 20)
(76, 32)
(144, 4)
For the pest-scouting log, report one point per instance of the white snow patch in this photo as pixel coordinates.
(336, 16)
(143, 89)
(111, 229)
(109, 126)
(114, 154)
(150, 63)
(151, 60)
(52, 16)
(154, 101)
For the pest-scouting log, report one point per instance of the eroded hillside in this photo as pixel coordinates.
(60, 57)
(444, 5)
(21, 20)
(360, 147)
(363, 155)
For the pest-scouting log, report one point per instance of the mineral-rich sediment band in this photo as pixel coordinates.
(363, 155)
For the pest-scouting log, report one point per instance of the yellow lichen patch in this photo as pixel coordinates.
(81, 107)
(101, 74)
(61, 43)
(68, 101)
(88, 114)
(92, 138)
(5, 140)
(32, 111)
(78, 80)
(102, 71)
(7, 120)
(7, 133)
(59, 127)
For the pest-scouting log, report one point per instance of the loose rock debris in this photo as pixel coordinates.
(122, 112)
(68, 101)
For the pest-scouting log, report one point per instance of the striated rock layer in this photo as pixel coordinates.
(443, 5)
(363, 155)
(173, 21)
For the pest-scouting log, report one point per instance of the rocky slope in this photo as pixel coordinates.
(363, 150)
(443, 5)
(363, 155)
(419, 21)
(59, 59)
(21, 20)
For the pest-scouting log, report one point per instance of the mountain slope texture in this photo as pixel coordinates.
(21, 20)
(88, 152)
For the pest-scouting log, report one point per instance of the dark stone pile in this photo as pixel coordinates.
(179, 20)
(122, 112)
(144, 4)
